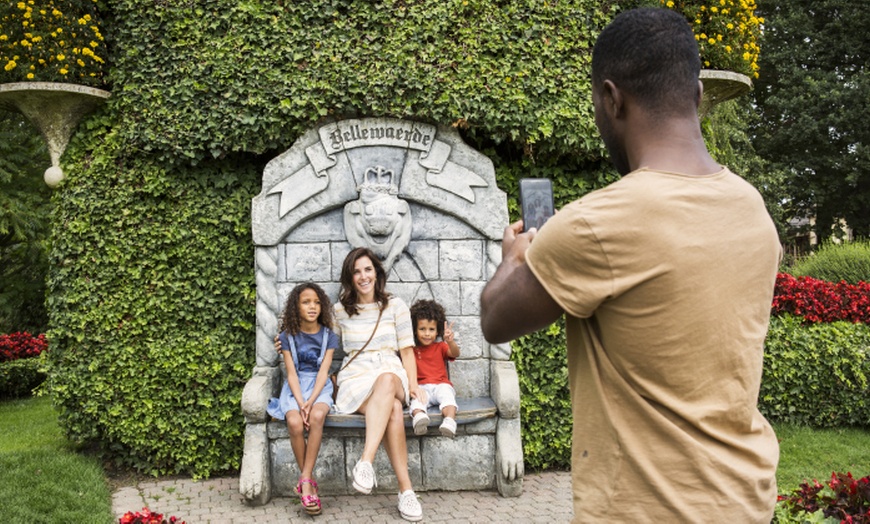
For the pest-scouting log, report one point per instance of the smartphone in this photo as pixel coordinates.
(536, 201)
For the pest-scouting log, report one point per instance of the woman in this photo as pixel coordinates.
(378, 380)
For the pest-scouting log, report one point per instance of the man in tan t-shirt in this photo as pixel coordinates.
(666, 280)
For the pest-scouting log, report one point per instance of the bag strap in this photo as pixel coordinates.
(380, 312)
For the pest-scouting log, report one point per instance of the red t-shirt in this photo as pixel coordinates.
(431, 368)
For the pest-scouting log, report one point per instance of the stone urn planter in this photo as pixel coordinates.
(720, 86)
(55, 108)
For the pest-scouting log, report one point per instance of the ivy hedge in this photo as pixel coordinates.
(151, 291)
(816, 374)
(151, 296)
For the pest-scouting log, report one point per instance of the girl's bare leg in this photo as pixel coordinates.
(297, 436)
(315, 437)
(449, 411)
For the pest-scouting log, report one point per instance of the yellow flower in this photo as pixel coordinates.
(714, 9)
(21, 5)
(63, 71)
(670, 4)
(30, 76)
(10, 66)
(712, 41)
(747, 56)
(80, 63)
(3, 38)
(728, 48)
(60, 57)
(94, 44)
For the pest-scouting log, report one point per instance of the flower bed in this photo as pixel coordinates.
(727, 32)
(21, 345)
(819, 301)
(51, 41)
(20, 367)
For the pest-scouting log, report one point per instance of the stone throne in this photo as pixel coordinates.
(428, 206)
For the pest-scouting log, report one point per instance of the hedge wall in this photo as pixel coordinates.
(151, 292)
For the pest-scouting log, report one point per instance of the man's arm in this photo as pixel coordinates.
(514, 302)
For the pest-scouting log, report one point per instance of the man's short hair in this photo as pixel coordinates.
(652, 54)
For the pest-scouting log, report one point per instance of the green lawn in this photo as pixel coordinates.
(807, 454)
(43, 480)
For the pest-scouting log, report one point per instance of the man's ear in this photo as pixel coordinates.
(614, 101)
(700, 94)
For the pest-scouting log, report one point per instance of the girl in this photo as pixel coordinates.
(307, 345)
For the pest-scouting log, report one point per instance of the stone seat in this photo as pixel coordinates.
(470, 410)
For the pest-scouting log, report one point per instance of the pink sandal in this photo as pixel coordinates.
(311, 503)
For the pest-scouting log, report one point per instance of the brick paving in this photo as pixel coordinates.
(546, 498)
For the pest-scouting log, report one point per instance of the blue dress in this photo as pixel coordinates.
(309, 355)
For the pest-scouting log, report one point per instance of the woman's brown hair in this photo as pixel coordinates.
(347, 294)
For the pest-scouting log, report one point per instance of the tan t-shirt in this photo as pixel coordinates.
(667, 282)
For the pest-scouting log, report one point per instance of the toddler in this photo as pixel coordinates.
(429, 321)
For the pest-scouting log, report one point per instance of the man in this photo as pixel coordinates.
(666, 279)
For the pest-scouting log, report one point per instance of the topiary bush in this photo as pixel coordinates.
(847, 261)
(151, 291)
(816, 375)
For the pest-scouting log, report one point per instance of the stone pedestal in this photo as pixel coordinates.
(55, 109)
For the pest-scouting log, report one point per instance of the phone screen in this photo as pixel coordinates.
(536, 201)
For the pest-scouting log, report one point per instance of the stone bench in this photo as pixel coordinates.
(470, 410)
(485, 446)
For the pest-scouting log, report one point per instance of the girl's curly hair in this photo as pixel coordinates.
(290, 320)
(428, 310)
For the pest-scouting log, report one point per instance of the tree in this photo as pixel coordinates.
(812, 95)
(24, 225)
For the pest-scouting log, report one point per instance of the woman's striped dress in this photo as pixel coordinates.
(380, 356)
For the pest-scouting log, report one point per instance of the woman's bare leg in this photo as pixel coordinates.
(397, 447)
(378, 409)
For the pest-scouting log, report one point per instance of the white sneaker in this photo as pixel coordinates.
(421, 423)
(409, 506)
(448, 427)
(364, 477)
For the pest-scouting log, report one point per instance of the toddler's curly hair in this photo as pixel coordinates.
(428, 310)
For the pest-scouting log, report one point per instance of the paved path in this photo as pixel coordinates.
(546, 498)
